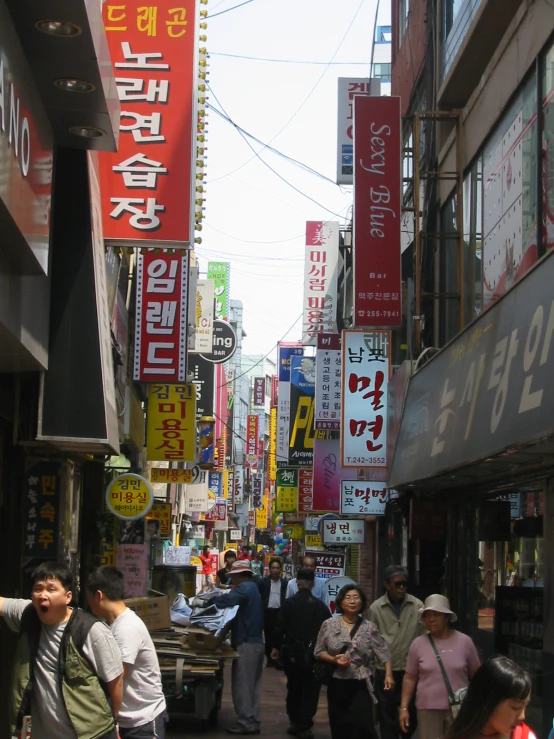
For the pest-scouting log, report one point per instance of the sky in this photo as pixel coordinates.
(254, 219)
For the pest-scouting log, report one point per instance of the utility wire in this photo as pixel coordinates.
(222, 12)
(249, 241)
(285, 61)
(309, 95)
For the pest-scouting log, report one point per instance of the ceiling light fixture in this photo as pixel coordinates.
(71, 85)
(58, 28)
(87, 132)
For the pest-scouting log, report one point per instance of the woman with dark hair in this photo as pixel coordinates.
(440, 663)
(495, 703)
(352, 643)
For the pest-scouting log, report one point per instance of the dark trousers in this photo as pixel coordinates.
(389, 701)
(302, 697)
(270, 617)
(350, 710)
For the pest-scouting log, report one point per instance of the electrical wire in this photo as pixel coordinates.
(309, 95)
(285, 61)
(256, 154)
(245, 258)
(249, 241)
(222, 12)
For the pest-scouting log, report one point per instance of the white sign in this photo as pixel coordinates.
(177, 556)
(366, 371)
(238, 484)
(196, 498)
(235, 535)
(311, 524)
(203, 338)
(348, 89)
(320, 280)
(328, 383)
(334, 584)
(363, 498)
(198, 531)
(341, 531)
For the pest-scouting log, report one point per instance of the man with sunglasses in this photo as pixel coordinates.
(397, 618)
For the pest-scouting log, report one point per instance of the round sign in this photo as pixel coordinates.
(224, 343)
(129, 497)
(334, 584)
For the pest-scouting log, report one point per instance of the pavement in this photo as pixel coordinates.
(274, 720)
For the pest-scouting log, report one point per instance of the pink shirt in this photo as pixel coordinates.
(460, 659)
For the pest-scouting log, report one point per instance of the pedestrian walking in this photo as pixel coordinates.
(352, 643)
(298, 623)
(441, 647)
(396, 615)
(222, 576)
(257, 566)
(247, 639)
(67, 667)
(319, 590)
(245, 554)
(207, 570)
(495, 703)
(273, 590)
(143, 710)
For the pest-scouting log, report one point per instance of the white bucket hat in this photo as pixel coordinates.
(438, 603)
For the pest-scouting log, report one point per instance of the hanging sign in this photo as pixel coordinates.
(365, 498)
(171, 423)
(129, 496)
(342, 531)
(252, 426)
(302, 392)
(224, 343)
(166, 474)
(328, 382)
(287, 490)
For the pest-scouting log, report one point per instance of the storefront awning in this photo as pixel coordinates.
(482, 408)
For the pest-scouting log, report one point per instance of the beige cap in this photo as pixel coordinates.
(438, 603)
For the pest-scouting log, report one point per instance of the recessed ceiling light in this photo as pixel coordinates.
(87, 132)
(70, 85)
(58, 28)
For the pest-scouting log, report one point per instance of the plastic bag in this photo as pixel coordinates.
(180, 611)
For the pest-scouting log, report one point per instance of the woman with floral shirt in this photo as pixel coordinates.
(349, 695)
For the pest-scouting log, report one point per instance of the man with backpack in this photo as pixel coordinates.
(68, 673)
(298, 624)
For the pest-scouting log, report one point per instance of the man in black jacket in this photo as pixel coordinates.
(273, 590)
(298, 625)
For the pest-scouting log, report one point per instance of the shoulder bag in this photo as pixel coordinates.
(455, 698)
(323, 671)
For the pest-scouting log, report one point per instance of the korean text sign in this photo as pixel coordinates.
(340, 531)
(366, 370)
(147, 183)
(161, 512)
(349, 89)
(377, 212)
(252, 429)
(328, 472)
(161, 317)
(320, 279)
(305, 490)
(285, 353)
(171, 423)
(259, 392)
(165, 474)
(302, 403)
(363, 498)
(41, 510)
(287, 490)
(129, 496)
(220, 273)
(328, 382)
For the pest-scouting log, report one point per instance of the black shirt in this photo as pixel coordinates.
(223, 575)
(300, 619)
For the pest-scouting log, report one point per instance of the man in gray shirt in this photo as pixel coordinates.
(319, 590)
(142, 714)
(56, 642)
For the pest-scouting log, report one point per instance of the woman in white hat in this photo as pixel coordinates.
(440, 663)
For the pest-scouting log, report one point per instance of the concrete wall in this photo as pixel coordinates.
(408, 58)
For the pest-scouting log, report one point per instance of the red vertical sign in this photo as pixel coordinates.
(252, 425)
(305, 491)
(377, 212)
(146, 184)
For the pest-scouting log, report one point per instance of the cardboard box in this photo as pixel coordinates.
(200, 638)
(153, 610)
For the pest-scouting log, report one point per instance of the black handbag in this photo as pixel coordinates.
(323, 671)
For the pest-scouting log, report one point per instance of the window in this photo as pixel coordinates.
(449, 272)
(548, 150)
(450, 9)
(382, 72)
(403, 14)
(383, 35)
(473, 241)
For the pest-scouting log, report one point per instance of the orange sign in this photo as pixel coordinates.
(146, 184)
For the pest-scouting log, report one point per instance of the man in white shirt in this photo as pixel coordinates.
(319, 590)
(142, 714)
(273, 590)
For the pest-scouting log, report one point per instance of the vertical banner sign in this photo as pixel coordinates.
(220, 273)
(305, 491)
(171, 423)
(41, 510)
(147, 183)
(287, 490)
(302, 401)
(259, 392)
(328, 474)
(204, 319)
(349, 88)
(215, 484)
(257, 491)
(203, 379)
(366, 372)
(238, 484)
(161, 317)
(328, 382)
(285, 352)
(274, 391)
(320, 280)
(252, 441)
(272, 454)
(377, 203)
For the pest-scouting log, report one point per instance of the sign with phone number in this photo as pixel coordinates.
(129, 497)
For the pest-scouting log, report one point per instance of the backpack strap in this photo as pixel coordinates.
(444, 675)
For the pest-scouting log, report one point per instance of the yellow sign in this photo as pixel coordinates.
(161, 512)
(195, 561)
(293, 531)
(287, 499)
(261, 514)
(171, 423)
(164, 474)
(313, 540)
(226, 484)
(129, 497)
(272, 456)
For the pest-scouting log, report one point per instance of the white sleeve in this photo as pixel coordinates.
(12, 611)
(291, 588)
(129, 641)
(102, 651)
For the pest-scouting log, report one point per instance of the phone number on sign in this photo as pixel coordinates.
(364, 461)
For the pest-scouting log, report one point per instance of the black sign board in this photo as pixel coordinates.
(487, 391)
(224, 343)
(41, 510)
(203, 377)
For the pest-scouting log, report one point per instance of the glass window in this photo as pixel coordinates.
(548, 149)
(450, 9)
(383, 35)
(403, 14)
(473, 219)
(382, 71)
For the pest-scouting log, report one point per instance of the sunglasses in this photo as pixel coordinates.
(402, 584)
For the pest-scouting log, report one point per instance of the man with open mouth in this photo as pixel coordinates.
(67, 672)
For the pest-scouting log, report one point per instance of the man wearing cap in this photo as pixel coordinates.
(396, 615)
(298, 623)
(247, 640)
